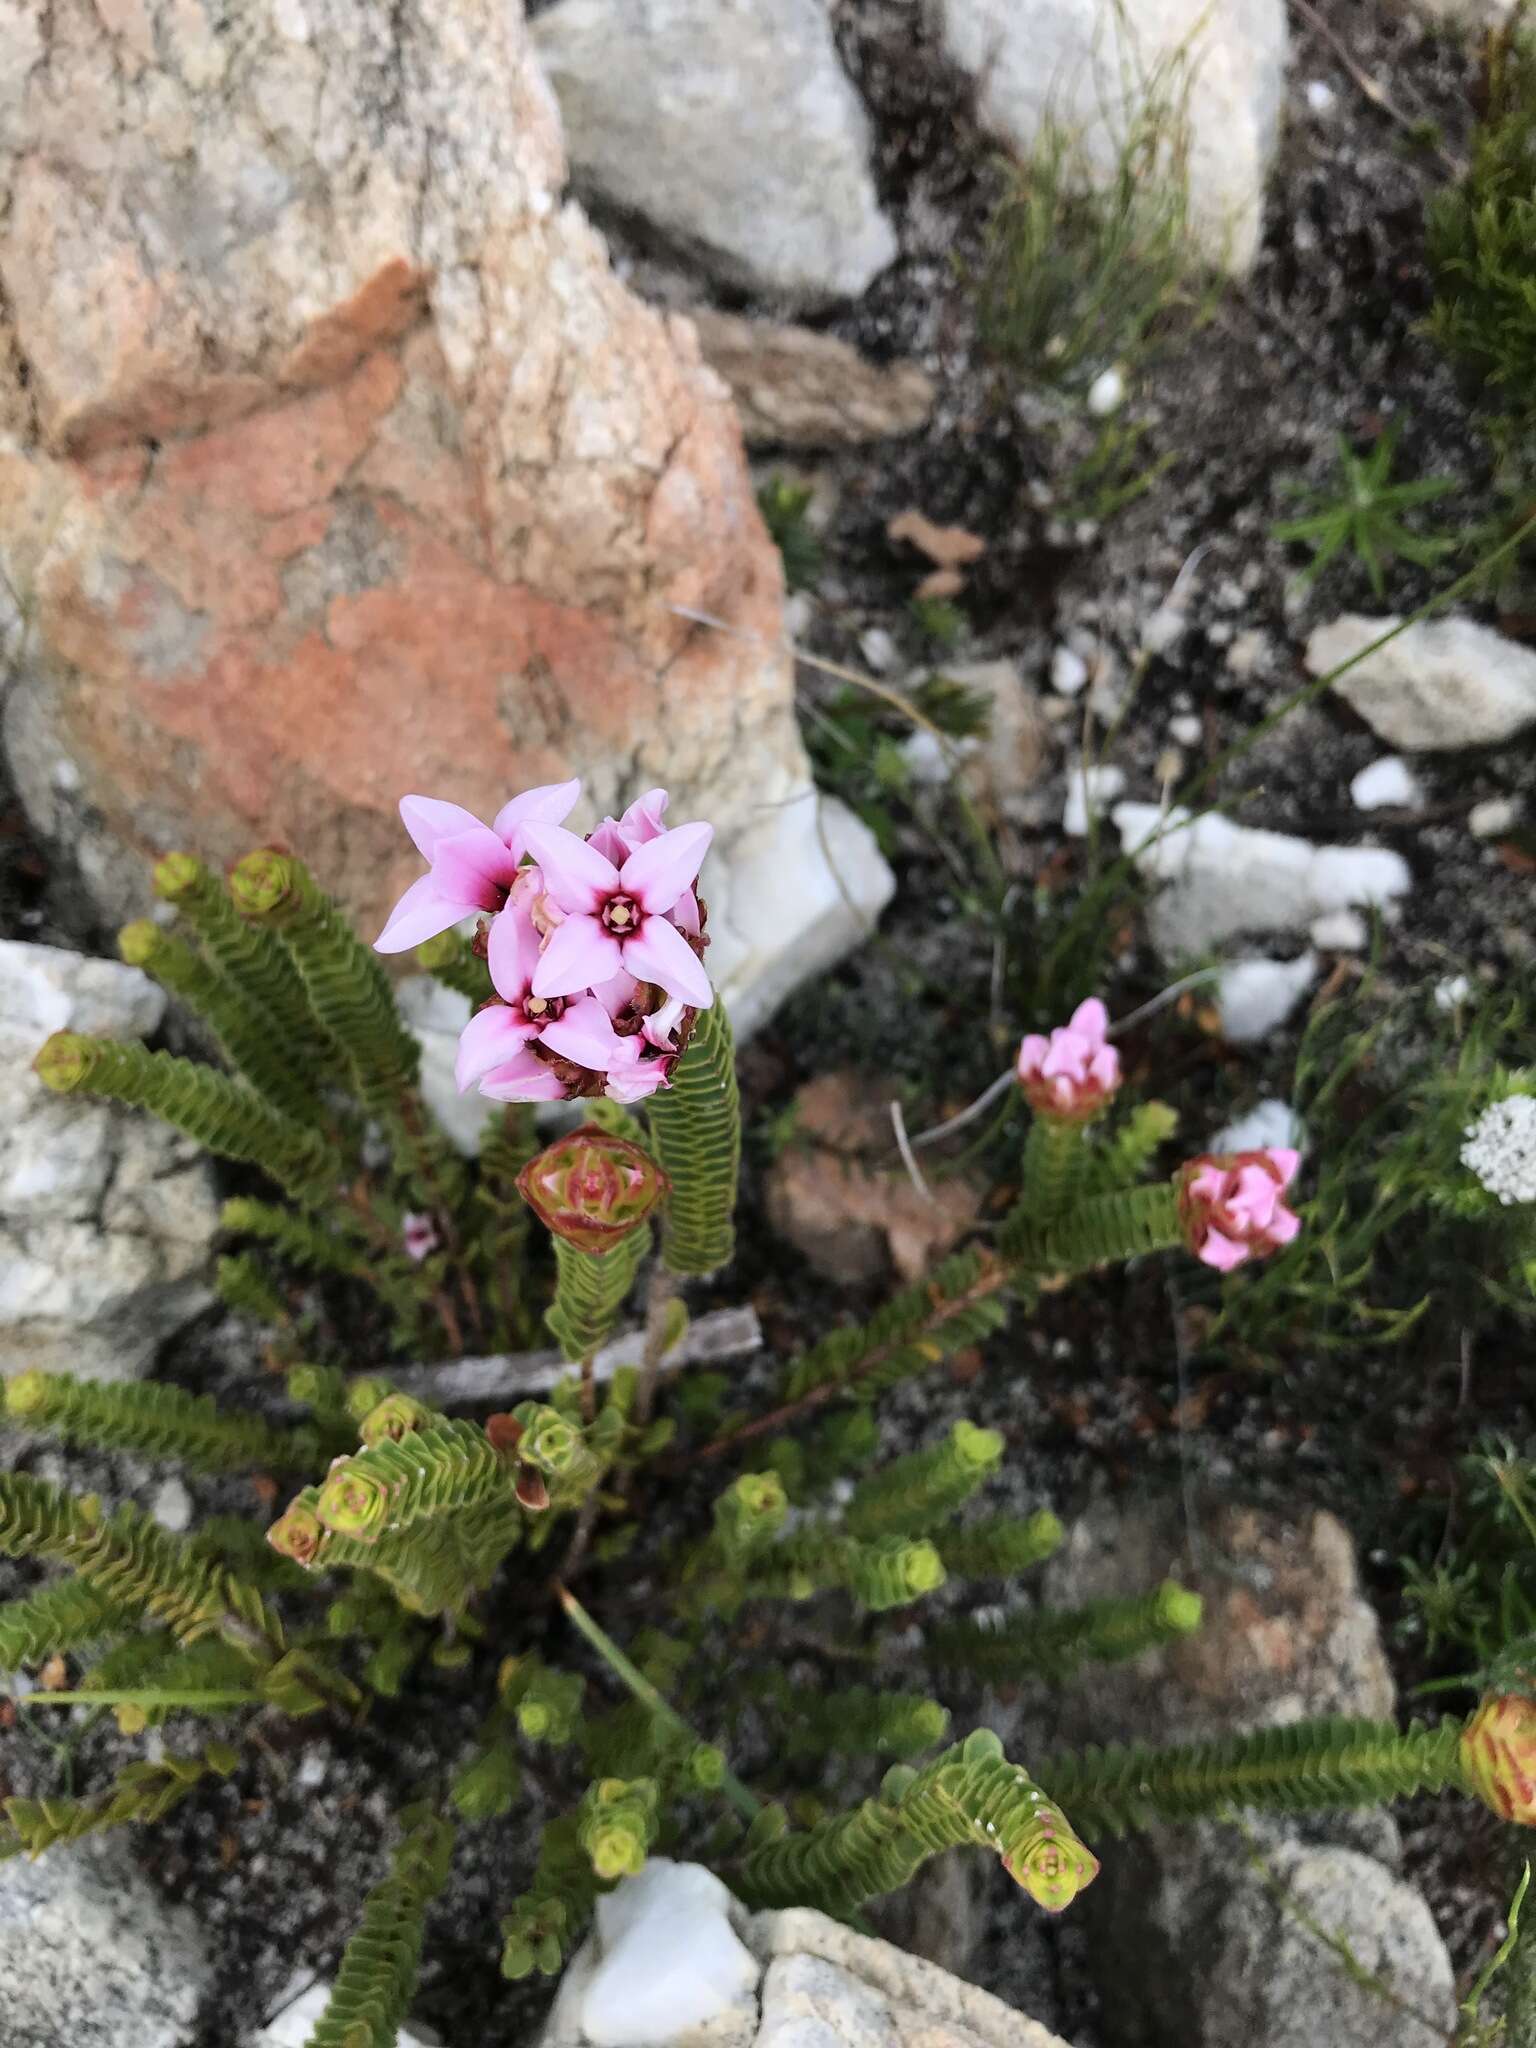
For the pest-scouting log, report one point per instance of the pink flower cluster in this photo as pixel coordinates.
(594, 945)
(1233, 1208)
(1073, 1073)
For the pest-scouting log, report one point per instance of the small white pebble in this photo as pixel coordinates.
(1106, 394)
(1495, 815)
(1340, 931)
(1270, 1122)
(172, 1506)
(1163, 630)
(1254, 997)
(65, 776)
(312, 1769)
(1387, 784)
(1069, 672)
(1320, 96)
(1451, 993)
(1187, 729)
(1090, 791)
(1501, 1149)
(1247, 652)
(877, 648)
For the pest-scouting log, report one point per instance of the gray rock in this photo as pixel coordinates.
(105, 1215)
(1200, 1934)
(91, 1956)
(1089, 66)
(730, 126)
(1442, 683)
(796, 388)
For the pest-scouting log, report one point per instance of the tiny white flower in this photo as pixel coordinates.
(1501, 1149)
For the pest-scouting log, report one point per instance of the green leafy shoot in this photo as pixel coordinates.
(1362, 515)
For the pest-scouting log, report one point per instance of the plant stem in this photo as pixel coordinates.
(658, 1299)
(151, 1699)
(748, 1806)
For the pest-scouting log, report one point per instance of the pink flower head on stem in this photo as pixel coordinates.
(472, 866)
(1073, 1073)
(1233, 1208)
(617, 916)
(418, 1235)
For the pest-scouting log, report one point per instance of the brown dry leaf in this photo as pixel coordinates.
(947, 547)
(941, 583)
(1515, 858)
(54, 1675)
(965, 1366)
(264, 1486)
(229, 1850)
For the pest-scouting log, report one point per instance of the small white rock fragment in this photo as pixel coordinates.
(1442, 683)
(1501, 1149)
(1451, 993)
(1106, 394)
(1339, 931)
(670, 1959)
(1163, 629)
(1069, 672)
(1492, 818)
(172, 1506)
(878, 649)
(1247, 653)
(1387, 784)
(1255, 997)
(1321, 96)
(312, 1770)
(1187, 729)
(1270, 1122)
(1090, 791)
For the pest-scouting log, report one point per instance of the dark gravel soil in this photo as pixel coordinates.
(1106, 1388)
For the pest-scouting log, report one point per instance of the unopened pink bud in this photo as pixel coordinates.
(1073, 1073)
(1232, 1207)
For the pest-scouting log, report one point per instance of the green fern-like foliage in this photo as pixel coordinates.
(140, 1792)
(347, 988)
(309, 1246)
(252, 961)
(1295, 1769)
(217, 1111)
(909, 1496)
(1055, 1166)
(245, 1034)
(1100, 1231)
(247, 1289)
(546, 1921)
(971, 1794)
(1054, 1643)
(1120, 1160)
(64, 1616)
(695, 1128)
(137, 1565)
(591, 1289)
(377, 1977)
(957, 1305)
(544, 1702)
(862, 1721)
(154, 1420)
(1001, 1547)
(891, 1572)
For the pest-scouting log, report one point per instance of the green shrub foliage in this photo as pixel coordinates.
(425, 1539)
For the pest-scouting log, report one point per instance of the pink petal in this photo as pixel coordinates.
(1091, 1020)
(584, 1034)
(512, 953)
(1069, 1053)
(1254, 1197)
(1104, 1067)
(641, 823)
(610, 842)
(685, 914)
(492, 1036)
(474, 867)
(633, 1084)
(659, 1026)
(1221, 1252)
(616, 993)
(550, 804)
(1283, 1225)
(657, 873)
(658, 952)
(1208, 1185)
(1032, 1052)
(1284, 1160)
(575, 874)
(429, 818)
(579, 955)
(422, 912)
(523, 1079)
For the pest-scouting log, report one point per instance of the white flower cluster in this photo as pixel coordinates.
(1501, 1149)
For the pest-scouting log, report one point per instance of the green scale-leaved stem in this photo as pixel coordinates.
(591, 1289)
(155, 1420)
(377, 1977)
(695, 1128)
(1053, 1643)
(254, 961)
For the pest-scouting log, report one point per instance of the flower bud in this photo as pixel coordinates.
(396, 1416)
(591, 1188)
(298, 1533)
(1232, 1207)
(1051, 1864)
(616, 1824)
(1498, 1755)
(1073, 1073)
(354, 1503)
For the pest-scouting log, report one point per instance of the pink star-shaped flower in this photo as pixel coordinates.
(616, 917)
(472, 866)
